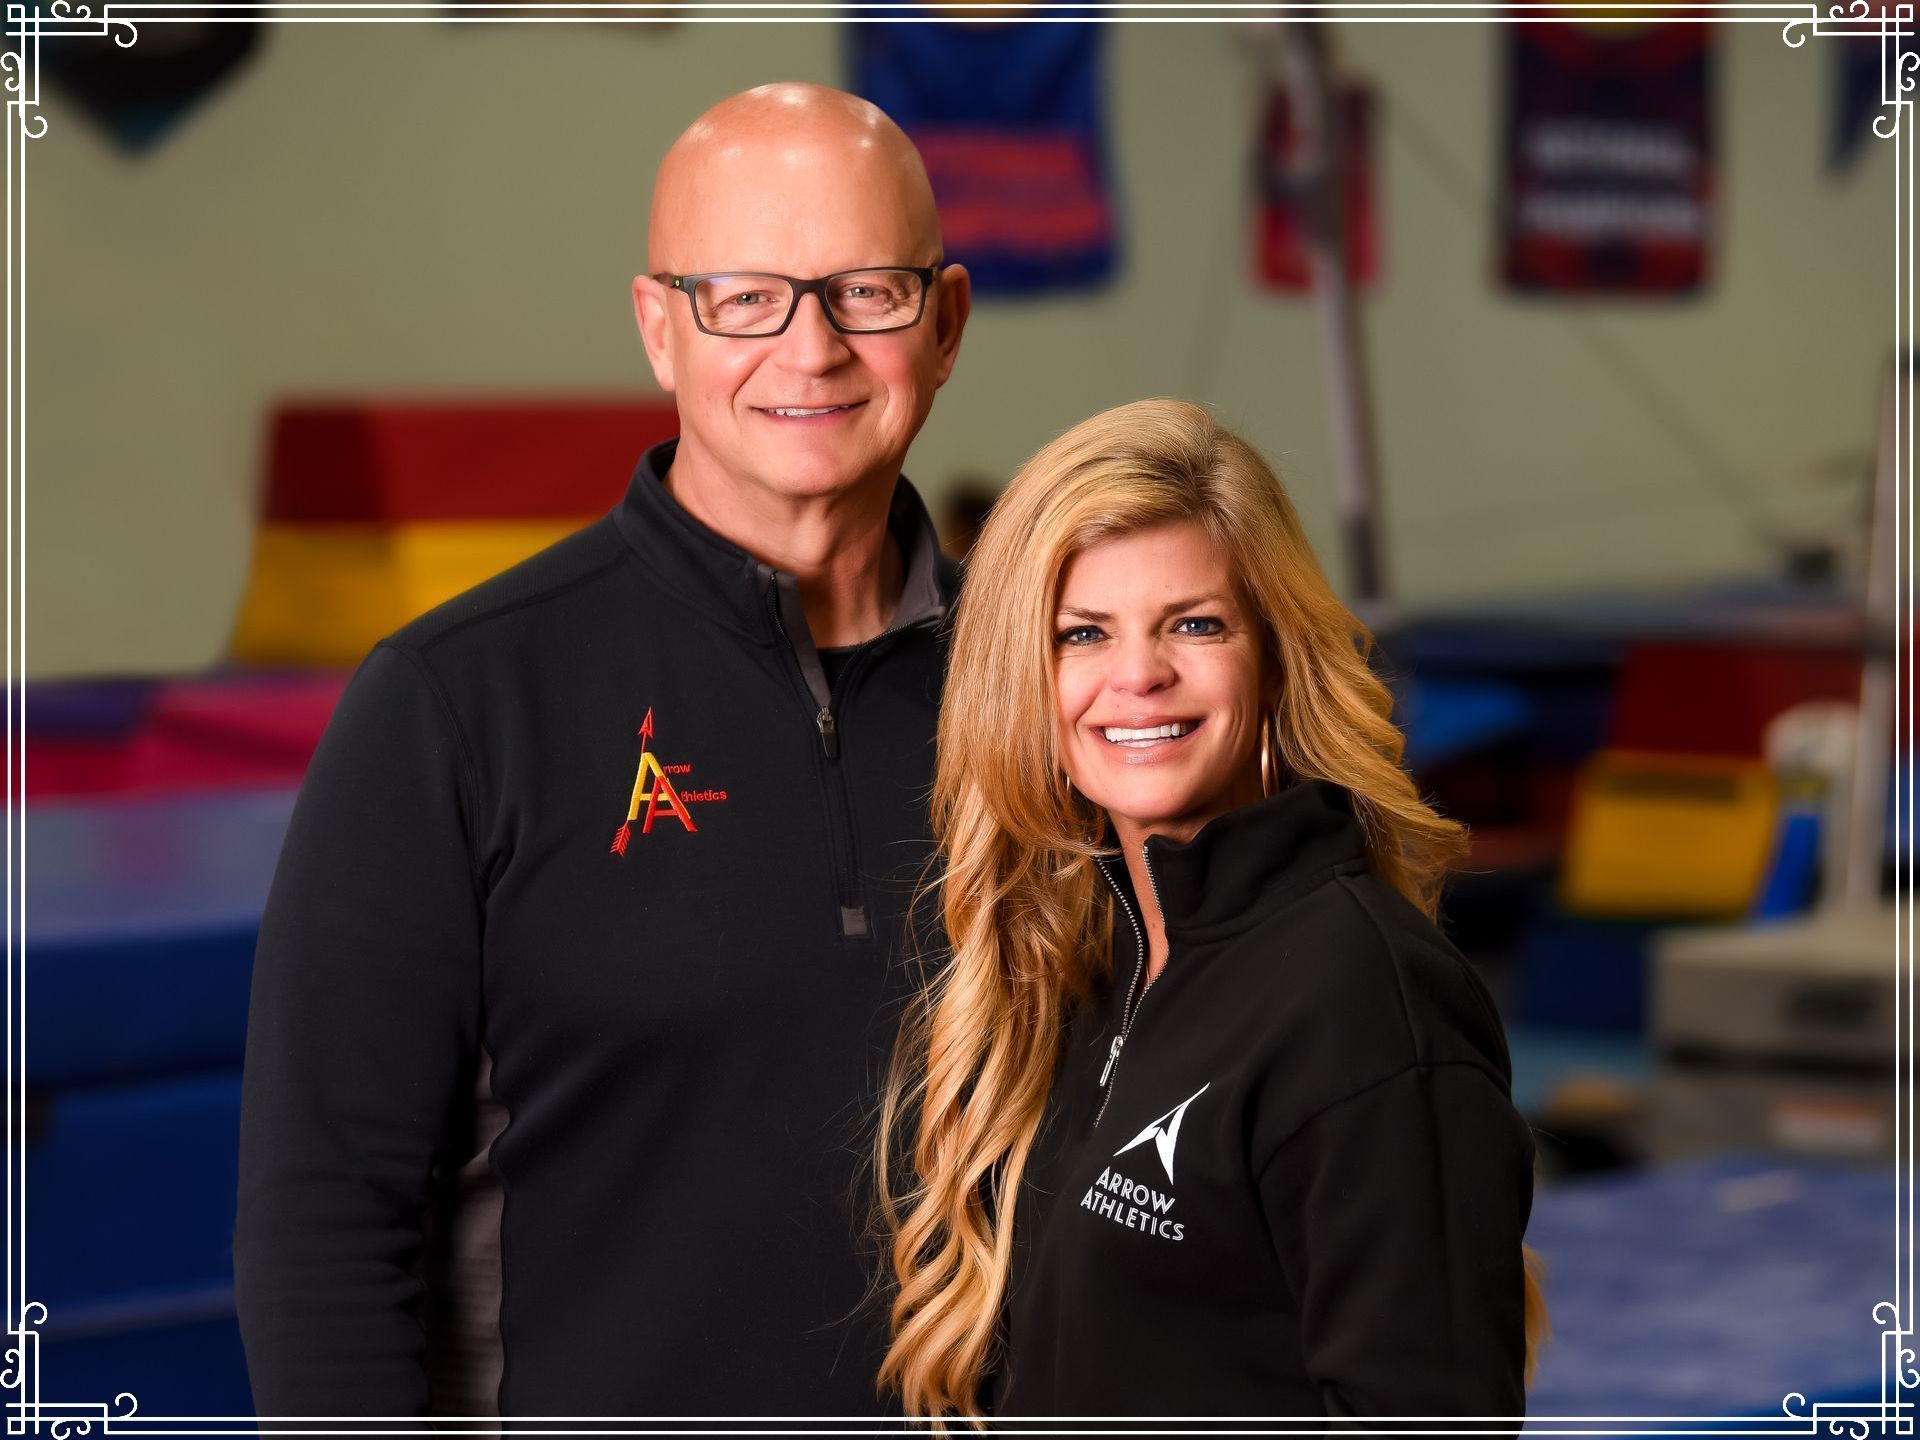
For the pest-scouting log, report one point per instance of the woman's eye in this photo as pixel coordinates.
(1199, 625)
(1078, 635)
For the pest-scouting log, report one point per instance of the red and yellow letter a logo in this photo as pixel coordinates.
(662, 795)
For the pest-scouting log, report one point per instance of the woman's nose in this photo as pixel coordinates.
(1141, 667)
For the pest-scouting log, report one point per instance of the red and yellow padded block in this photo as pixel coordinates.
(1656, 835)
(378, 510)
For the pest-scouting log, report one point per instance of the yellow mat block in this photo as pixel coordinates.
(324, 594)
(1668, 835)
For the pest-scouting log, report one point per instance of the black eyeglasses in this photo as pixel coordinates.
(748, 305)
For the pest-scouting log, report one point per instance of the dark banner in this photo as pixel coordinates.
(1609, 170)
(139, 94)
(1008, 119)
(1282, 224)
(1863, 71)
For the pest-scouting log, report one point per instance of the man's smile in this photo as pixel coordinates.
(808, 412)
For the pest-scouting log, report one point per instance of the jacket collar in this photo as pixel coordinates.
(741, 592)
(1249, 862)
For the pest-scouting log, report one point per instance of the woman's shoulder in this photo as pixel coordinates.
(1357, 985)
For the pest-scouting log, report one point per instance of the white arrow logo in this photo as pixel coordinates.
(1164, 1132)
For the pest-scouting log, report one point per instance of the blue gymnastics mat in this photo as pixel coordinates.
(141, 918)
(130, 1203)
(1713, 1287)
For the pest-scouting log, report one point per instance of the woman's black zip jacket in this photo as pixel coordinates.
(1286, 1178)
(634, 1063)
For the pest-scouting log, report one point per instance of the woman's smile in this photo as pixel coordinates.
(1147, 737)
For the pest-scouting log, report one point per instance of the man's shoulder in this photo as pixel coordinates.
(570, 569)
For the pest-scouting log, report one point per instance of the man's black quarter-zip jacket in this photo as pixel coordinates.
(1302, 1188)
(681, 1018)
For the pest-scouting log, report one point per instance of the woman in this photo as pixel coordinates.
(1208, 1117)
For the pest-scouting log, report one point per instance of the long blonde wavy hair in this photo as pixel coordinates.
(1028, 926)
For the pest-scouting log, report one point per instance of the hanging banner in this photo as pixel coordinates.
(139, 94)
(1281, 235)
(1859, 62)
(1009, 121)
(1608, 159)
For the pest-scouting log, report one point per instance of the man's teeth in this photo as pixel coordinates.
(1118, 735)
(794, 410)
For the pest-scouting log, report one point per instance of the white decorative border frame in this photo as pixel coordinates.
(27, 23)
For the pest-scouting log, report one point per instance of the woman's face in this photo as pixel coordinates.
(1157, 677)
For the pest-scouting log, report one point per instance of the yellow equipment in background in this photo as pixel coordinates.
(1668, 835)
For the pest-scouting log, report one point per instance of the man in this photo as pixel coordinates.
(591, 909)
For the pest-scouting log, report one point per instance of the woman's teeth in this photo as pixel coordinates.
(794, 410)
(1153, 735)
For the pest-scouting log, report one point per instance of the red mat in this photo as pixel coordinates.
(1705, 699)
(197, 734)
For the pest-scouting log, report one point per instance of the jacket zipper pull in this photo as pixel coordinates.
(829, 739)
(1113, 1054)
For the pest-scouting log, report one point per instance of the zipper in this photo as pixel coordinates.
(842, 843)
(840, 839)
(1136, 992)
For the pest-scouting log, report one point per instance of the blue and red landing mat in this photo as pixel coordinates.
(154, 818)
(239, 730)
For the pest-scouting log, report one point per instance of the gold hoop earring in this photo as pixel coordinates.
(1266, 755)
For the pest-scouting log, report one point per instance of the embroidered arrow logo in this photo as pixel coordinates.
(661, 796)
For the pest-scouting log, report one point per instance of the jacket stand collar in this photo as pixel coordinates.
(740, 592)
(1250, 861)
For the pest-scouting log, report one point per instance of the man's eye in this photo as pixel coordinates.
(749, 297)
(1078, 635)
(1199, 625)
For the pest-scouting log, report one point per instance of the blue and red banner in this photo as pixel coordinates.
(1282, 235)
(1609, 163)
(1009, 121)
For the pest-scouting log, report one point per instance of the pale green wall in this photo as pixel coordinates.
(443, 209)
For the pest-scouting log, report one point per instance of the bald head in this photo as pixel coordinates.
(776, 140)
(803, 182)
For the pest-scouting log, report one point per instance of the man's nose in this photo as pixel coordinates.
(810, 341)
(1141, 666)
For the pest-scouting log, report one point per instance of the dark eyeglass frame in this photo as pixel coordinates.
(685, 284)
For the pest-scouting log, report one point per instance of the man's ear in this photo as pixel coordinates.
(952, 302)
(650, 313)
